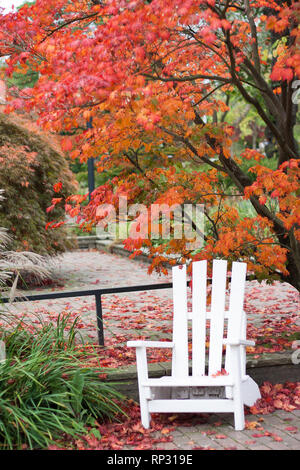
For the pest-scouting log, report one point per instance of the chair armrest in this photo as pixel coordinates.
(150, 344)
(241, 342)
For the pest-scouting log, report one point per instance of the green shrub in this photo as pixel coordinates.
(31, 163)
(47, 391)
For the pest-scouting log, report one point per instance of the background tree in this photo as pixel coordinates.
(30, 166)
(158, 79)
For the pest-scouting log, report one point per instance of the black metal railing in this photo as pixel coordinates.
(98, 298)
(94, 292)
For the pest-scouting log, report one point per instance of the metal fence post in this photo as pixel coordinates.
(99, 319)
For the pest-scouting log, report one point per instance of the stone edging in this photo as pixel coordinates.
(268, 367)
(107, 245)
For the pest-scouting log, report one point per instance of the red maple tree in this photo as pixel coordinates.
(156, 80)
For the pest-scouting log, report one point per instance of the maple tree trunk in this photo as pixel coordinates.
(288, 122)
(288, 132)
(293, 266)
(286, 239)
(281, 126)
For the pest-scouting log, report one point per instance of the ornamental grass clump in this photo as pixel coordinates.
(48, 392)
(15, 266)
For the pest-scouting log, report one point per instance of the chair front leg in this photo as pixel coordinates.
(142, 371)
(239, 415)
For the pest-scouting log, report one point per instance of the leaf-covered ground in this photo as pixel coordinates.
(203, 431)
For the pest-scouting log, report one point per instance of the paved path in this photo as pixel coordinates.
(129, 315)
(276, 431)
(83, 270)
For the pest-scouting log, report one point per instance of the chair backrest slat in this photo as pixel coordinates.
(236, 327)
(237, 318)
(199, 286)
(236, 300)
(217, 316)
(180, 364)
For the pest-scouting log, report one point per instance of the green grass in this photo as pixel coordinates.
(47, 392)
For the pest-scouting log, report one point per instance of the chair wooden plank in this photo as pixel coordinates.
(236, 300)
(199, 277)
(236, 319)
(207, 315)
(217, 316)
(191, 406)
(204, 381)
(180, 364)
(149, 344)
(243, 337)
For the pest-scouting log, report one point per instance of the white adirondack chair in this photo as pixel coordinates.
(203, 390)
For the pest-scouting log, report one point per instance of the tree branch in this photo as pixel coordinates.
(250, 99)
(188, 78)
(193, 149)
(255, 54)
(66, 23)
